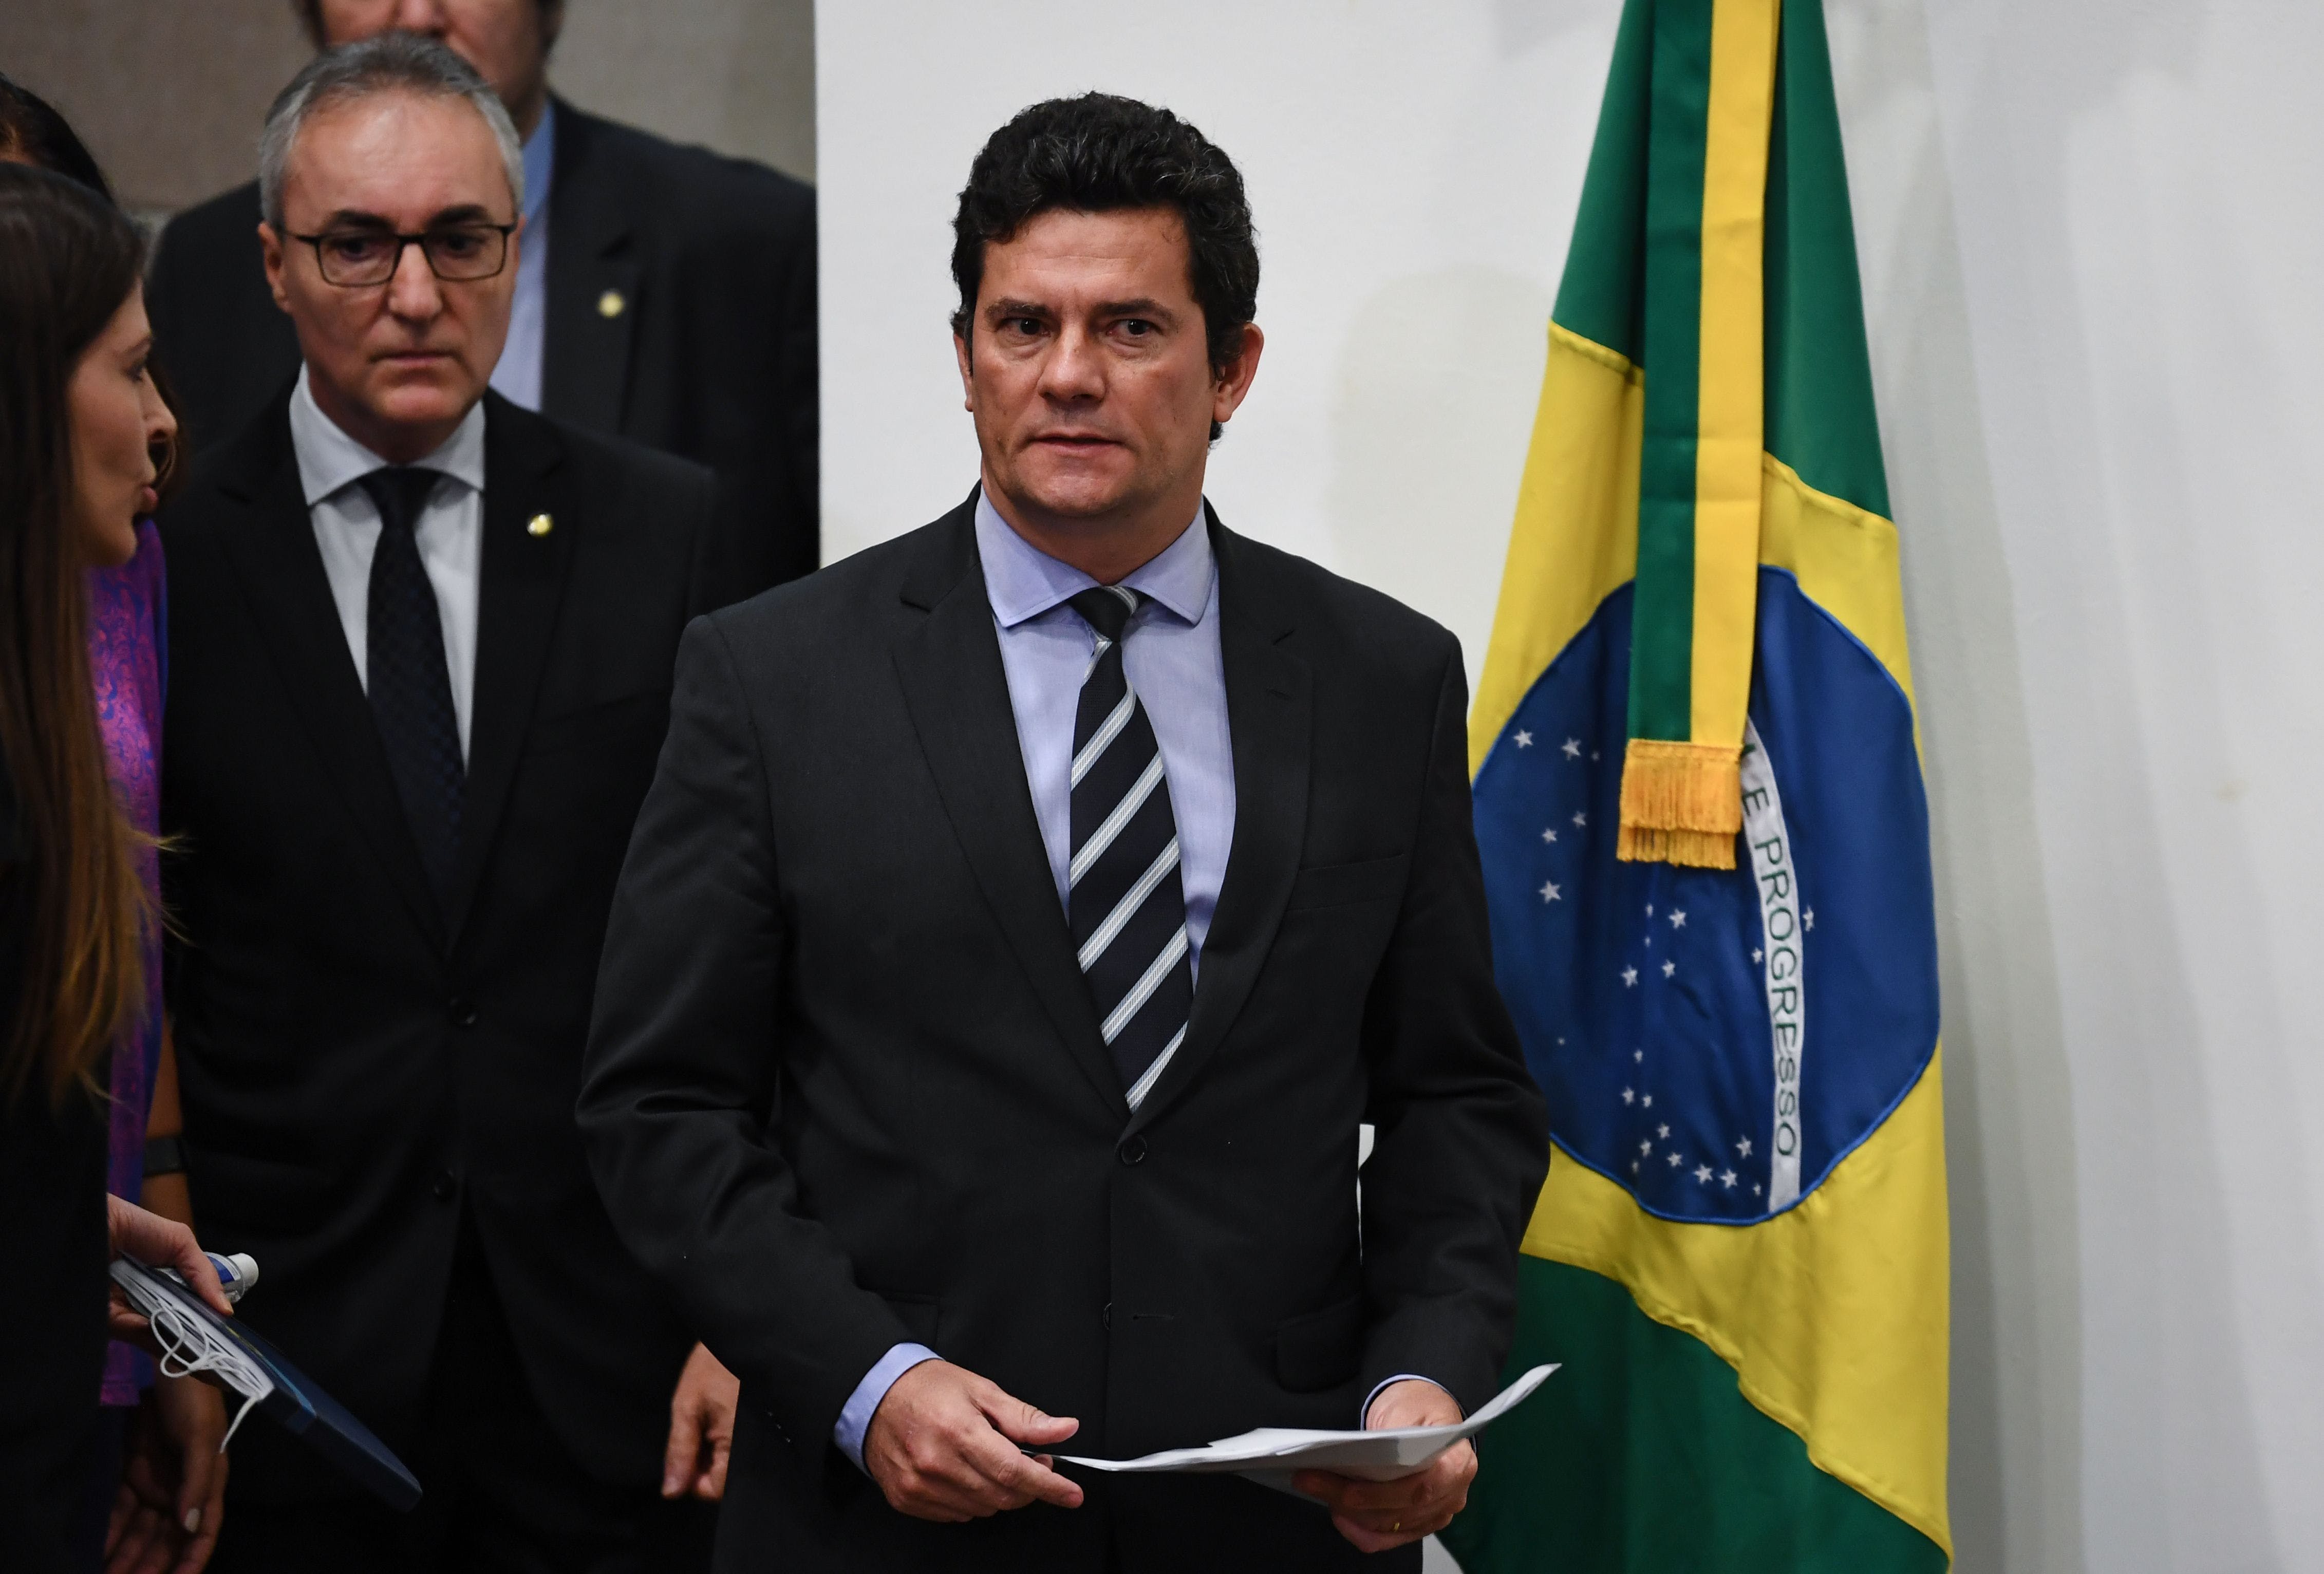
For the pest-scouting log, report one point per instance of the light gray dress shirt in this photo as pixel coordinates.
(450, 533)
(516, 376)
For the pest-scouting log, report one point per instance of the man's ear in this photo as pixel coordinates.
(270, 251)
(961, 353)
(1234, 383)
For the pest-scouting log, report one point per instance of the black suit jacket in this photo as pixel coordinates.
(358, 1065)
(711, 355)
(846, 1086)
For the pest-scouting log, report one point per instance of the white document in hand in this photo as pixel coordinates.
(1272, 1452)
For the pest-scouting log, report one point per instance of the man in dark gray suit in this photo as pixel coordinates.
(1025, 916)
(666, 294)
(421, 643)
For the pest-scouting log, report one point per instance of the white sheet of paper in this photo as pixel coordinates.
(1375, 1455)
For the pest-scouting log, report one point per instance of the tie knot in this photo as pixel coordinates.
(1107, 608)
(399, 492)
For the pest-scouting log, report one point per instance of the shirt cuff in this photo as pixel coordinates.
(1364, 1410)
(855, 1415)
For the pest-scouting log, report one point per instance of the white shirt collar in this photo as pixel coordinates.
(1022, 581)
(329, 460)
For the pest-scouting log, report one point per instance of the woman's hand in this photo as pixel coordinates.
(158, 1243)
(172, 1494)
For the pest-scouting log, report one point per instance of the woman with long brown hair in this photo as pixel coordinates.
(164, 1430)
(80, 421)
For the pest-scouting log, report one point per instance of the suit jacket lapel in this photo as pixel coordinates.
(282, 570)
(593, 276)
(521, 583)
(958, 695)
(1268, 725)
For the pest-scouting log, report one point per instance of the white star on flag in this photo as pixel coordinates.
(1669, 968)
(1727, 1179)
(1650, 909)
(1755, 1188)
(1629, 1095)
(1646, 1101)
(1757, 956)
(1807, 919)
(1525, 740)
(1549, 833)
(1579, 818)
(1678, 919)
(1634, 1166)
(1549, 891)
(1635, 1055)
(1573, 749)
(1676, 1161)
(1702, 1174)
(1744, 1147)
(1646, 1147)
(1661, 1131)
(1629, 978)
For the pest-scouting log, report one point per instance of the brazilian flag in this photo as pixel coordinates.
(1700, 805)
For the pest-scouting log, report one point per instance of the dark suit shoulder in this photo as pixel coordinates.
(608, 457)
(697, 190)
(861, 592)
(233, 471)
(231, 217)
(1332, 613)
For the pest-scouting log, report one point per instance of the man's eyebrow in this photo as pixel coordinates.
(1138, 306)
(354, 218)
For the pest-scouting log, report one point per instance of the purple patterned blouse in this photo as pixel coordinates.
(127, 655)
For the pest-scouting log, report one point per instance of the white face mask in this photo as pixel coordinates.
(189, 1345)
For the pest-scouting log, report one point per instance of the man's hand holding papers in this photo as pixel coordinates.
(1375, 1515)
(947, 1445)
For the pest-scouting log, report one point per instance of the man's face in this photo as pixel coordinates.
(399, 363)
(507, 41)
(1086, 368)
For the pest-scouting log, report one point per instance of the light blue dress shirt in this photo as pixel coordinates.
(1174, 662)
(1172, 659)
(1171, 656)
(517, 375)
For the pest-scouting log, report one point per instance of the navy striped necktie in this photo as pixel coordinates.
(1126, 907)
(408, 681)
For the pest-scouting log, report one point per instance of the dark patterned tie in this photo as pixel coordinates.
(1127, 907)
(411, 683)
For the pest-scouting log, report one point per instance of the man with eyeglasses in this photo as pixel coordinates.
(667, 293)
(421, 655)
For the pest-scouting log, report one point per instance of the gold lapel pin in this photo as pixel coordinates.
(610, 304)
(539, 525)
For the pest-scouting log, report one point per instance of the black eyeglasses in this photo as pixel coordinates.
(458, 253)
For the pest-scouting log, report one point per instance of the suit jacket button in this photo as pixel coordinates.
(445, 1187)
(1133, 1152)
(462, 1011)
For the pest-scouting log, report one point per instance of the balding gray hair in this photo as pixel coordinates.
(392, 62)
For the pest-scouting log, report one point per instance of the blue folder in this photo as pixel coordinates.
(295, 1402)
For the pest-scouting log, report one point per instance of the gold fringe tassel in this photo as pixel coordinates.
(1681, 803)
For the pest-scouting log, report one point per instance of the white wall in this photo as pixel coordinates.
(2090, 237)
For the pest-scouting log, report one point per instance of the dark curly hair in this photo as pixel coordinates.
(1100, 152)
